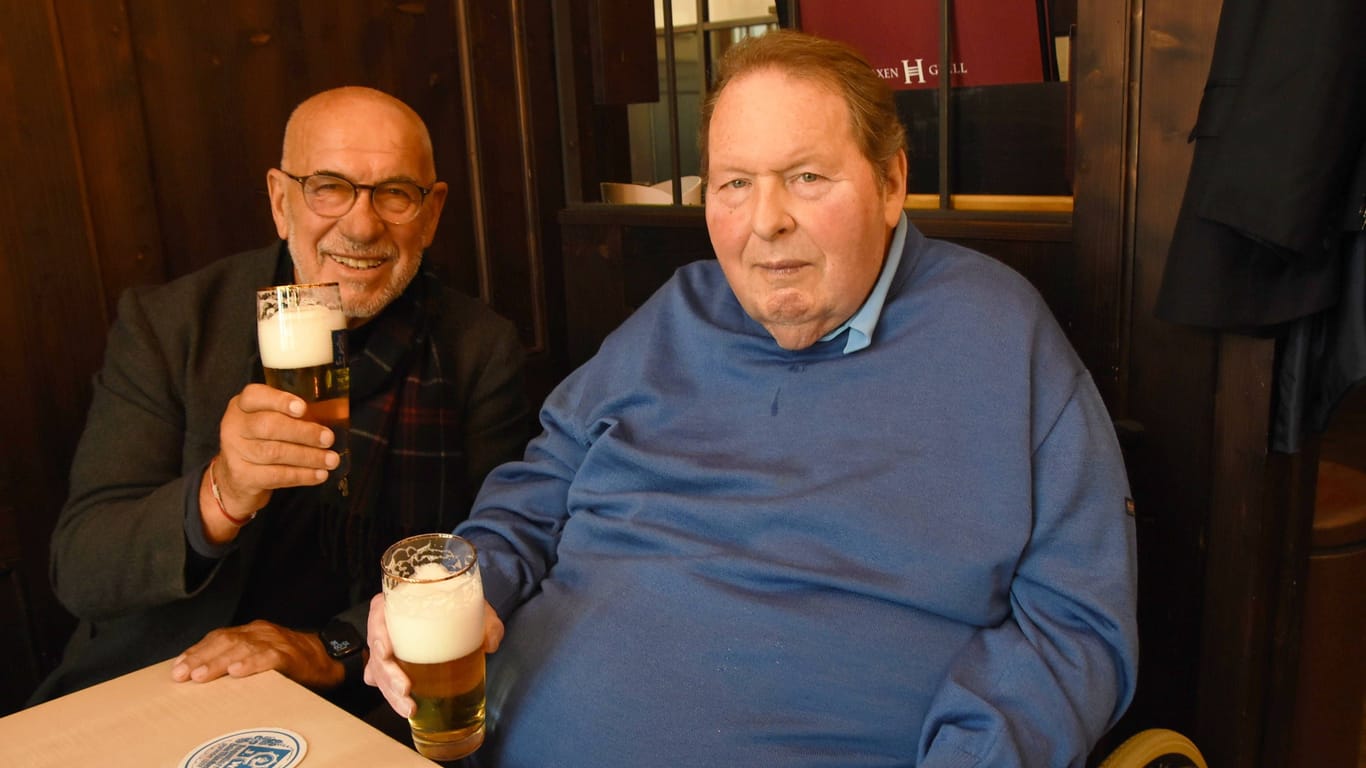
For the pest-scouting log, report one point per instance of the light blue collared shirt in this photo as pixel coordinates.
(863, 322)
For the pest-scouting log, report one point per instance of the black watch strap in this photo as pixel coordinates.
(345, 644)
(354, 666)
(341, 639)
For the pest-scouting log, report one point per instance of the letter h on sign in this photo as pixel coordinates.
(917, 72)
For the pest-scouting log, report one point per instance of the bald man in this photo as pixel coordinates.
(200, 527)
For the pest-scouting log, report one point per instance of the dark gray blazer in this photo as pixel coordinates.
(175, 356)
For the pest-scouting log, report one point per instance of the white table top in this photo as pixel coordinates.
(146, 719)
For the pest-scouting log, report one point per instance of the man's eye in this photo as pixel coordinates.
(808, 177)
(328, 187)
(394, 192)
(737, 184)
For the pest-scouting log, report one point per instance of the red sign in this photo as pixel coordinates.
(994, 41)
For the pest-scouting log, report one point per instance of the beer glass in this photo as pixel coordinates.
(301, 331)
(434, 610)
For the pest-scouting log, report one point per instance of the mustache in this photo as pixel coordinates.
(344, 247)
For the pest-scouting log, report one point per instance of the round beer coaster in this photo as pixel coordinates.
(255, 747)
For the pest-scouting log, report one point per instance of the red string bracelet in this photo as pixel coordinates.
(218, 498)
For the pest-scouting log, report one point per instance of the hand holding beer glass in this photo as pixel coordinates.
(434, 612)
(301, 330)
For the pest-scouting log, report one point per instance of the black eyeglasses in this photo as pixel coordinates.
(397, 202)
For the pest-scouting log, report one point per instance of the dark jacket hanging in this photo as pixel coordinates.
(1258, 241)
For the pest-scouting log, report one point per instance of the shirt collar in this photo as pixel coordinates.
(863, 322)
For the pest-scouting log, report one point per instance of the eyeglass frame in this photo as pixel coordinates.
(355, 195)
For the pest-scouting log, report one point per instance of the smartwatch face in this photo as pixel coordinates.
(341, 640)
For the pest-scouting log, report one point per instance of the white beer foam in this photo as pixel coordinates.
(435, 621)
(298, 337)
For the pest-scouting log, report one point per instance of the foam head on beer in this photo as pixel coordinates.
(433, 621)
(299, 337)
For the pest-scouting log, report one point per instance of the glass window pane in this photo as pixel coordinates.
(685, 11)
(649, 123)
(726, 10)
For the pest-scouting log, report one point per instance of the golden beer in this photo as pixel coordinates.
(450, 700)
(326, 390)
(434, 610)
(301, 331)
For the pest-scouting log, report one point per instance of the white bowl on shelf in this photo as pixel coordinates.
(654, 194)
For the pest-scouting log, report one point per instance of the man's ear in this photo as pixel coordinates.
(431, 214)
(895, 194)
(277, 186)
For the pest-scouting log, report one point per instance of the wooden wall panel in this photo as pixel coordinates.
(51, 304)
(512, 142)
(111, 136)
(1170, 382)
(499, 160)
(545, 162)
(1138, 77)
(622, 40)
(1100, 154)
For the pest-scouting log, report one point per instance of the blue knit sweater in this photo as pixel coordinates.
(723, 553)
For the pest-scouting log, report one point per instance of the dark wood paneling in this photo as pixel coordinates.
(1100, 84)
(1291, 481)
(112, 142)
(516, 172)
(614, 258)
(595, 288)
(214, 101)
(503, 220)
(51, 303)
(546, 163)
(622, 38)
(1171, 373)
(1164, 389)
(17, 647)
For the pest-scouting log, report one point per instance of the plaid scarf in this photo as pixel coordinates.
(407, 444)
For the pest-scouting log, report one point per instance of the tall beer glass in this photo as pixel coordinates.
(302, 335)
(434, 610)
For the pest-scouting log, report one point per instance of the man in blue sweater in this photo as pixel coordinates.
(844, 496)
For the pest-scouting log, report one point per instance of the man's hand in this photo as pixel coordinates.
(264, 444)
(382, 670)
(256, 647)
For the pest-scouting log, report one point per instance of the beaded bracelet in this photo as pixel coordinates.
(218, 498)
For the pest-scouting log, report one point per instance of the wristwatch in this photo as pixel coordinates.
(343, 643)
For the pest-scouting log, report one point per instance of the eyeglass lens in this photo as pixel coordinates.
(395, 201)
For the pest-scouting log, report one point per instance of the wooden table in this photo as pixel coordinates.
(145, 719)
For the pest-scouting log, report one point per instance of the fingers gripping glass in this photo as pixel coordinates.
(397, 202)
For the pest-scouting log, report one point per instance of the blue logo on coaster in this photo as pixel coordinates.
(251, 748)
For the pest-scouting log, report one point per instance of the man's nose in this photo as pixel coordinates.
(361, 223)
(771, 216)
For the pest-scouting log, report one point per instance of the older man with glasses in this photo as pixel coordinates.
(156, 561)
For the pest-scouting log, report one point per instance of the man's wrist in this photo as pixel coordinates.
(344, 644)
(210, 534)
(236, 520)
